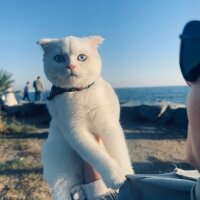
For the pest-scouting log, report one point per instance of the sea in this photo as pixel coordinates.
(152, 95)
(141, 95)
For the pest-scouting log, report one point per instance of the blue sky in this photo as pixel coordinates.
(141, 45)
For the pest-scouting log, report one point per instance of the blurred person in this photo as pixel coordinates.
(39, 88)
(190, 67)
(26, 91)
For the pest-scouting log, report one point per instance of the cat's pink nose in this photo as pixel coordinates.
(71, 66)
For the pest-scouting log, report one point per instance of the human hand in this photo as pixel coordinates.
(77, 193)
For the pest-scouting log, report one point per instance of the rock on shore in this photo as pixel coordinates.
(28, 110)
(174, 114)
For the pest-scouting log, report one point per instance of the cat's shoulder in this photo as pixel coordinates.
(105, 88)
(103, 84)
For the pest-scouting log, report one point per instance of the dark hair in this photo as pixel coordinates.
(189, 51)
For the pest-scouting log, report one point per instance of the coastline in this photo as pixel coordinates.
(140, 95)
(160, 114)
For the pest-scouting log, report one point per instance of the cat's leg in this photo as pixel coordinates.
(113, 139)
(87, 147)
(62, 166)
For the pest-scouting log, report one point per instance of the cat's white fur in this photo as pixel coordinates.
(77, 117)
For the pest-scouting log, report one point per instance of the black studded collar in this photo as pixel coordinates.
(58, 90)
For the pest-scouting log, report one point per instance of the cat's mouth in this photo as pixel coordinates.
(72, 74)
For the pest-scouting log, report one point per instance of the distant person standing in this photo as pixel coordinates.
(26, 91)
(39, 88)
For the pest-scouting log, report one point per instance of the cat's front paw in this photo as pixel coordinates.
(115, 178)
(77, 193)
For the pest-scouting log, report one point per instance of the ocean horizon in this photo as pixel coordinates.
(131, 96)
(152, 95)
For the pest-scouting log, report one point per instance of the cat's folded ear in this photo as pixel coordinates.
(95, 41)
(45, 42)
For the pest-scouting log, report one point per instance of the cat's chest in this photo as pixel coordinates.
(73, 104)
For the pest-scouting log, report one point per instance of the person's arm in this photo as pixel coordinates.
(193, 139)
(93, 187)
(90, 173)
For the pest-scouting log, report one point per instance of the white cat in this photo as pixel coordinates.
(88, 108)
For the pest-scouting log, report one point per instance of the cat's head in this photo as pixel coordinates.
(72, 61)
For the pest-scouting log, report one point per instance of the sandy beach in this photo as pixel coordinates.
(153, 149)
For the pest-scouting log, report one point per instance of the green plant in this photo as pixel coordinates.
(12, 165)
(5, 80)
(11, 125)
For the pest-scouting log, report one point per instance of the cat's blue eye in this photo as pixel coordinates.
(59, 58)
(82, 57)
